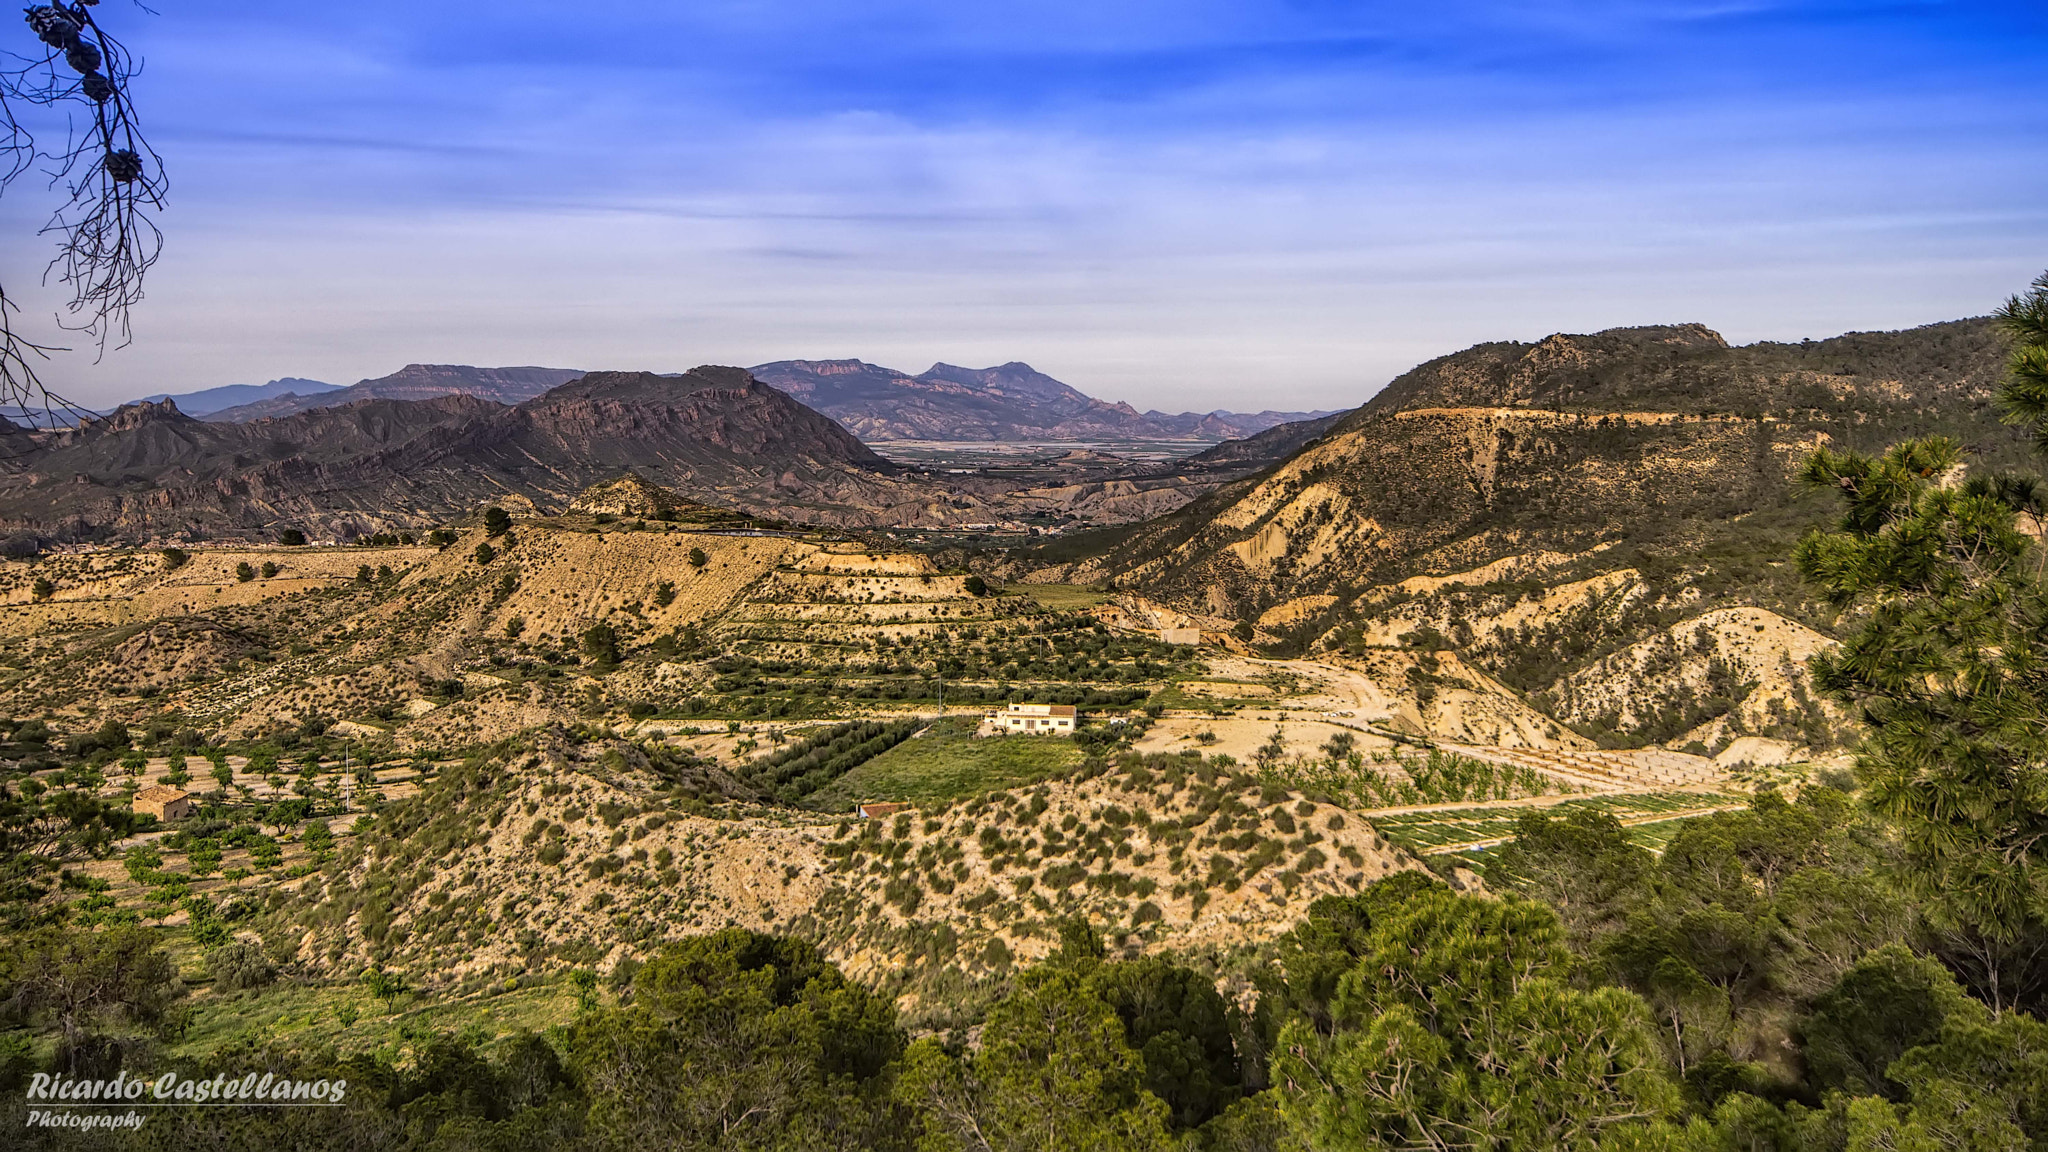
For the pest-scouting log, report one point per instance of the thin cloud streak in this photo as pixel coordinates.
(1165, 204)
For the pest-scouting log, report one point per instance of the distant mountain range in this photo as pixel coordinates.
(149, 470)
(412, 382)
(1008, 402)
(381, 459)
(211, 400)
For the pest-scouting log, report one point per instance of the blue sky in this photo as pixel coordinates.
(1183, 205)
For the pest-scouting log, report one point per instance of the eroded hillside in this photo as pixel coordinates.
(1575, 517)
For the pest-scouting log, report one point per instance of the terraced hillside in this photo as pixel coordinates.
(533, 744)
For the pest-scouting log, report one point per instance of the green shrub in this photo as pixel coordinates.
(1064, 875)
(239, 964)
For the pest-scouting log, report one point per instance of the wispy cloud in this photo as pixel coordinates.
(1196, 204)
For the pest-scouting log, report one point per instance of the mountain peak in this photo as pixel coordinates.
(138, 414)
(210, 400)
(1010, 401)
(947, 371)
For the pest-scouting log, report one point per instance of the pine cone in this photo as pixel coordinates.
(53, 27)
(83, 56)
(97, 88)
(124, 166)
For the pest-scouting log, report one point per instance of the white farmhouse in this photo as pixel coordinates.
(1037, 719)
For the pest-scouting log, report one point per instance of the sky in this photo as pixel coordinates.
(1187, 205)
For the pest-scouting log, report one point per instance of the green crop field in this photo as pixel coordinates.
(1424, 831)
(948, 763)
(314, 1014)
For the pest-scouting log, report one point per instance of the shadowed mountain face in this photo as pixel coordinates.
(412, 382)
(148, 469)
(1008, 402)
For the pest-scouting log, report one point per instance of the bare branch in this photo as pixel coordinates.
(110, 179)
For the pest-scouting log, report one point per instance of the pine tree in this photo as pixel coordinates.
(1949, 671)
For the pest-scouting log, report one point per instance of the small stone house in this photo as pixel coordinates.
(165, 802)
(1037, 719)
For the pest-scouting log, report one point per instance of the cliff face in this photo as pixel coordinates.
(148, 469)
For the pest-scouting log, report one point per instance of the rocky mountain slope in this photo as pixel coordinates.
(1543, 507)
(1008, 402)
(412, 382)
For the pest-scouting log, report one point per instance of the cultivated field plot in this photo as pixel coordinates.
(949, 762)
(351, 1019)
(1440, 831)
